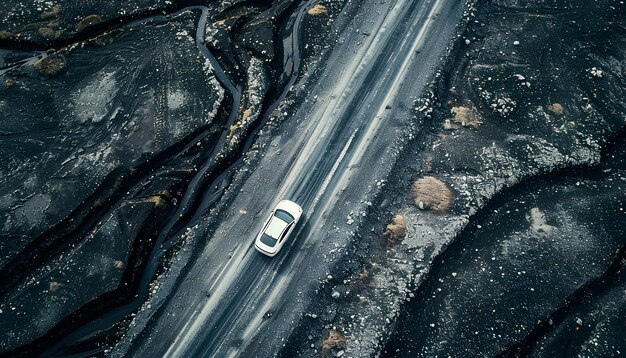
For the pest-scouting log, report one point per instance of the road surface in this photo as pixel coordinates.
(327, 157)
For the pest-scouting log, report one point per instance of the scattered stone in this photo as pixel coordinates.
(10, 82)
(53, 286)
(596, 72)
(503, 105)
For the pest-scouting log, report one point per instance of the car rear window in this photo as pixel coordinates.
(268, 240)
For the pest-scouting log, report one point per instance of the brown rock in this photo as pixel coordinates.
(431, 193)
(51, 65)
(397, 228)
(6, 35)
(334, 339)
(556, 109)
(317, 10)
(466, 117)
(88, 21)
(54, 11)
(47, 32)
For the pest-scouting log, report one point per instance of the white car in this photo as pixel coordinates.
(278, 227)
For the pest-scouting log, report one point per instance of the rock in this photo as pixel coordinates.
(334, 340)
(397, 228)
(466, 116)
(317, 10)
(431, 193)
(51, 65)
(88, 21)
(556, 109)
(335, 294)
(47, 32)
(6, 35)
(596, 72)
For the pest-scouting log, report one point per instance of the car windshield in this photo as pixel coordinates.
(284, 216)
(268, 240)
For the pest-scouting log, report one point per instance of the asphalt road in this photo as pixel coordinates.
(327, 157)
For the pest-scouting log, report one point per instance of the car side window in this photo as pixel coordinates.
(285, 232)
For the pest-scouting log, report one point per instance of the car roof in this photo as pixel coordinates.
(275, 227)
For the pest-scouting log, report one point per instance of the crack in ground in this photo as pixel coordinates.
(586, 292)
